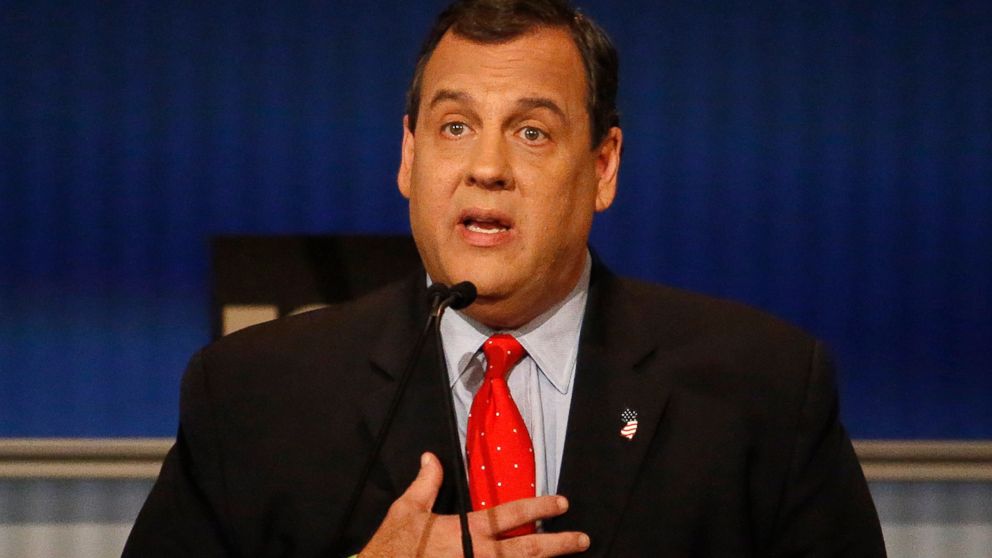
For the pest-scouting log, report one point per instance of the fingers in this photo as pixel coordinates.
(519, 512)
(544, 544)
(423, 490)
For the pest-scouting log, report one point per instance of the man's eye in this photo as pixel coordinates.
(532, 134)
(455, 128)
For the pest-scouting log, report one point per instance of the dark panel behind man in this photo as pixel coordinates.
(623, 418)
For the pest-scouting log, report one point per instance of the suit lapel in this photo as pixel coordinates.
(599, 466)
(419, 424)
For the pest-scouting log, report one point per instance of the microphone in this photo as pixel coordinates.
(463, 294)
(436, 293)
(456, 297)
(459, 296)
(440, 297)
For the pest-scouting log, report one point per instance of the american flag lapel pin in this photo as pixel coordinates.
(629, 418)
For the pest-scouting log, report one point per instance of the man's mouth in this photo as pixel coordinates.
(485, 226)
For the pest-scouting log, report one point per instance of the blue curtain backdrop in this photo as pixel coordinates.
(828, 161)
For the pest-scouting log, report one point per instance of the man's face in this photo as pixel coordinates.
(501, 176)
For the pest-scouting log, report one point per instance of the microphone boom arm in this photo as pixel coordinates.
(460, 296)
(441, 297)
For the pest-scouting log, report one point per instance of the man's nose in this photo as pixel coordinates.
(490, 166)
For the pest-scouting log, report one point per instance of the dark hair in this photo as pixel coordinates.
(497, 21)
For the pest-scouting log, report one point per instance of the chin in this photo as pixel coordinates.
(489, 284)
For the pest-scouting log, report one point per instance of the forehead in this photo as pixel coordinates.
(544, 62)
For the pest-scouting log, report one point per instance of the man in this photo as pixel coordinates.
(651, 422)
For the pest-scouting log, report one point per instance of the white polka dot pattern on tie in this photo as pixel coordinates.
(503, 468)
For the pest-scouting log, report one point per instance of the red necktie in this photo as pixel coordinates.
(498, 448)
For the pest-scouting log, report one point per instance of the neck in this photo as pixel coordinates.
(518, 310)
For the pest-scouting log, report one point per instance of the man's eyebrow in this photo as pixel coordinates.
(449, 95)
(529, 103)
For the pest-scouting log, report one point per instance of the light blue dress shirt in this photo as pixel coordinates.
(541, 384)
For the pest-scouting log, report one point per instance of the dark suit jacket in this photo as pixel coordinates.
(739, 450)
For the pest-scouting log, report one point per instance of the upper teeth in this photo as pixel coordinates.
(490, 229)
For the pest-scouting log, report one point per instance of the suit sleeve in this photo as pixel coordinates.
(826, 508)
(183, 513)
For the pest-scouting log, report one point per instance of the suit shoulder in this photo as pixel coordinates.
(744, 361)
(332, 340)
(694, 315)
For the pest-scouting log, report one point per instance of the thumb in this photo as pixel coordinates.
(423, 490)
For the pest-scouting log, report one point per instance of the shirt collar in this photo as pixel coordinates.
(551, 339)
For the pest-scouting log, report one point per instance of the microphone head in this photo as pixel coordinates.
(462, 295)
(437, 292)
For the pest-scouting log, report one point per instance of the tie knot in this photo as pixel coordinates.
(502, 353)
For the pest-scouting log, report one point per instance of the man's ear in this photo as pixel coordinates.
(607, 167)
(404, 176)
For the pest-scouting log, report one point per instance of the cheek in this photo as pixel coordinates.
(566, 212)
(560, 195)
(437, 167)
(430, 189)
